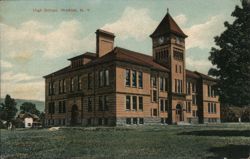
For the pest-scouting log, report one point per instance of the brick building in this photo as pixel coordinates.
(116, 86)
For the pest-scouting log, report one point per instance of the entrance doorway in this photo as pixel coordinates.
(74, 115)
(179, 113)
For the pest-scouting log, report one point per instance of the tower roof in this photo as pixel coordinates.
(168, 25)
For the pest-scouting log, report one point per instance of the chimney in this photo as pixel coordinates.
(104, 42)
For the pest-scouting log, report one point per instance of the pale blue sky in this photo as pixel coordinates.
(34, 44)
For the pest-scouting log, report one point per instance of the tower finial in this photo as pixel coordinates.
(167, 10)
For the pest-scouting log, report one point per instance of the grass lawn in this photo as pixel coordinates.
(150, 142)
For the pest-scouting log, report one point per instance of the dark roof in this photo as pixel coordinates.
(205, 76)
(168, 25)
(27, 114)
(197, 75)
(191, 74)
(63, 70)
(86, 54)
(121, 54)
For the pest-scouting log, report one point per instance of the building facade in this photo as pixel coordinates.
(116, 86)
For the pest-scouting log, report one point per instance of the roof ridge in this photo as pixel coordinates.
(134, 51)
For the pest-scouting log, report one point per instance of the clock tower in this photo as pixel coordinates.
(169, 50)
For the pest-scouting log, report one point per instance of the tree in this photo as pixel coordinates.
(8, 109)
(232, 59)
(29, 108)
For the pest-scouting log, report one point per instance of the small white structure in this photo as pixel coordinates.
(28, 119)
(28, 122)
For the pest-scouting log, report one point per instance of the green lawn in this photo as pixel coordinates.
(151, 142)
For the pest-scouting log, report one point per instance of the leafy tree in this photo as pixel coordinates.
(232, 59)
(8, 109)
(30, 108)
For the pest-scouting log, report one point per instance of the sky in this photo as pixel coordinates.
(37, 37)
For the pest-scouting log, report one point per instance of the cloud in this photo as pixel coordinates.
(202, 35)
(17, 77)
(31, 37)
(201, 65)
(31, 90)
(5, 64)
(22, 85)
(135, 23)
(181, 19)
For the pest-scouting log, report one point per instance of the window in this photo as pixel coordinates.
(64, 86)
(188, 88)
(52, 108)
(166, 84)
(154, 96)
(178, 86)
(134, 103)
(140, 79)
(53, 88)
(180, 68)
(215, 108)
(210, 92)
(154, 112)
(128, 106)
(176, 69)
(79, 83)
(128, 78)
(162, 105)
(50, 88)
(60, 107)
(212, 108)
(105, 103)
(89, 81)
(128, 120)
(134, 79)
(188, 107)
(141, 121)
(134, 120)
(161, 83)
(89, 104)
(140, 103)
(209, 108)
(101, 78)
(100, 103)
(166, 105)
(178, 55)
(194, 101)
(106, 77)
(60, 86)
(194, 113)
(193, 87)
(64, 106)
(72, 84)
(153, 79)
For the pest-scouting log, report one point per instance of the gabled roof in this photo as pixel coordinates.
(121, 54)
(168, 25)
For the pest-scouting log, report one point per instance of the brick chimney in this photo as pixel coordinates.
(104, 42)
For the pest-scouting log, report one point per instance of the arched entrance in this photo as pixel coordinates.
(179, 113)
(74, 115)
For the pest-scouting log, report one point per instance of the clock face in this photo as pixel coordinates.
(161, 40)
